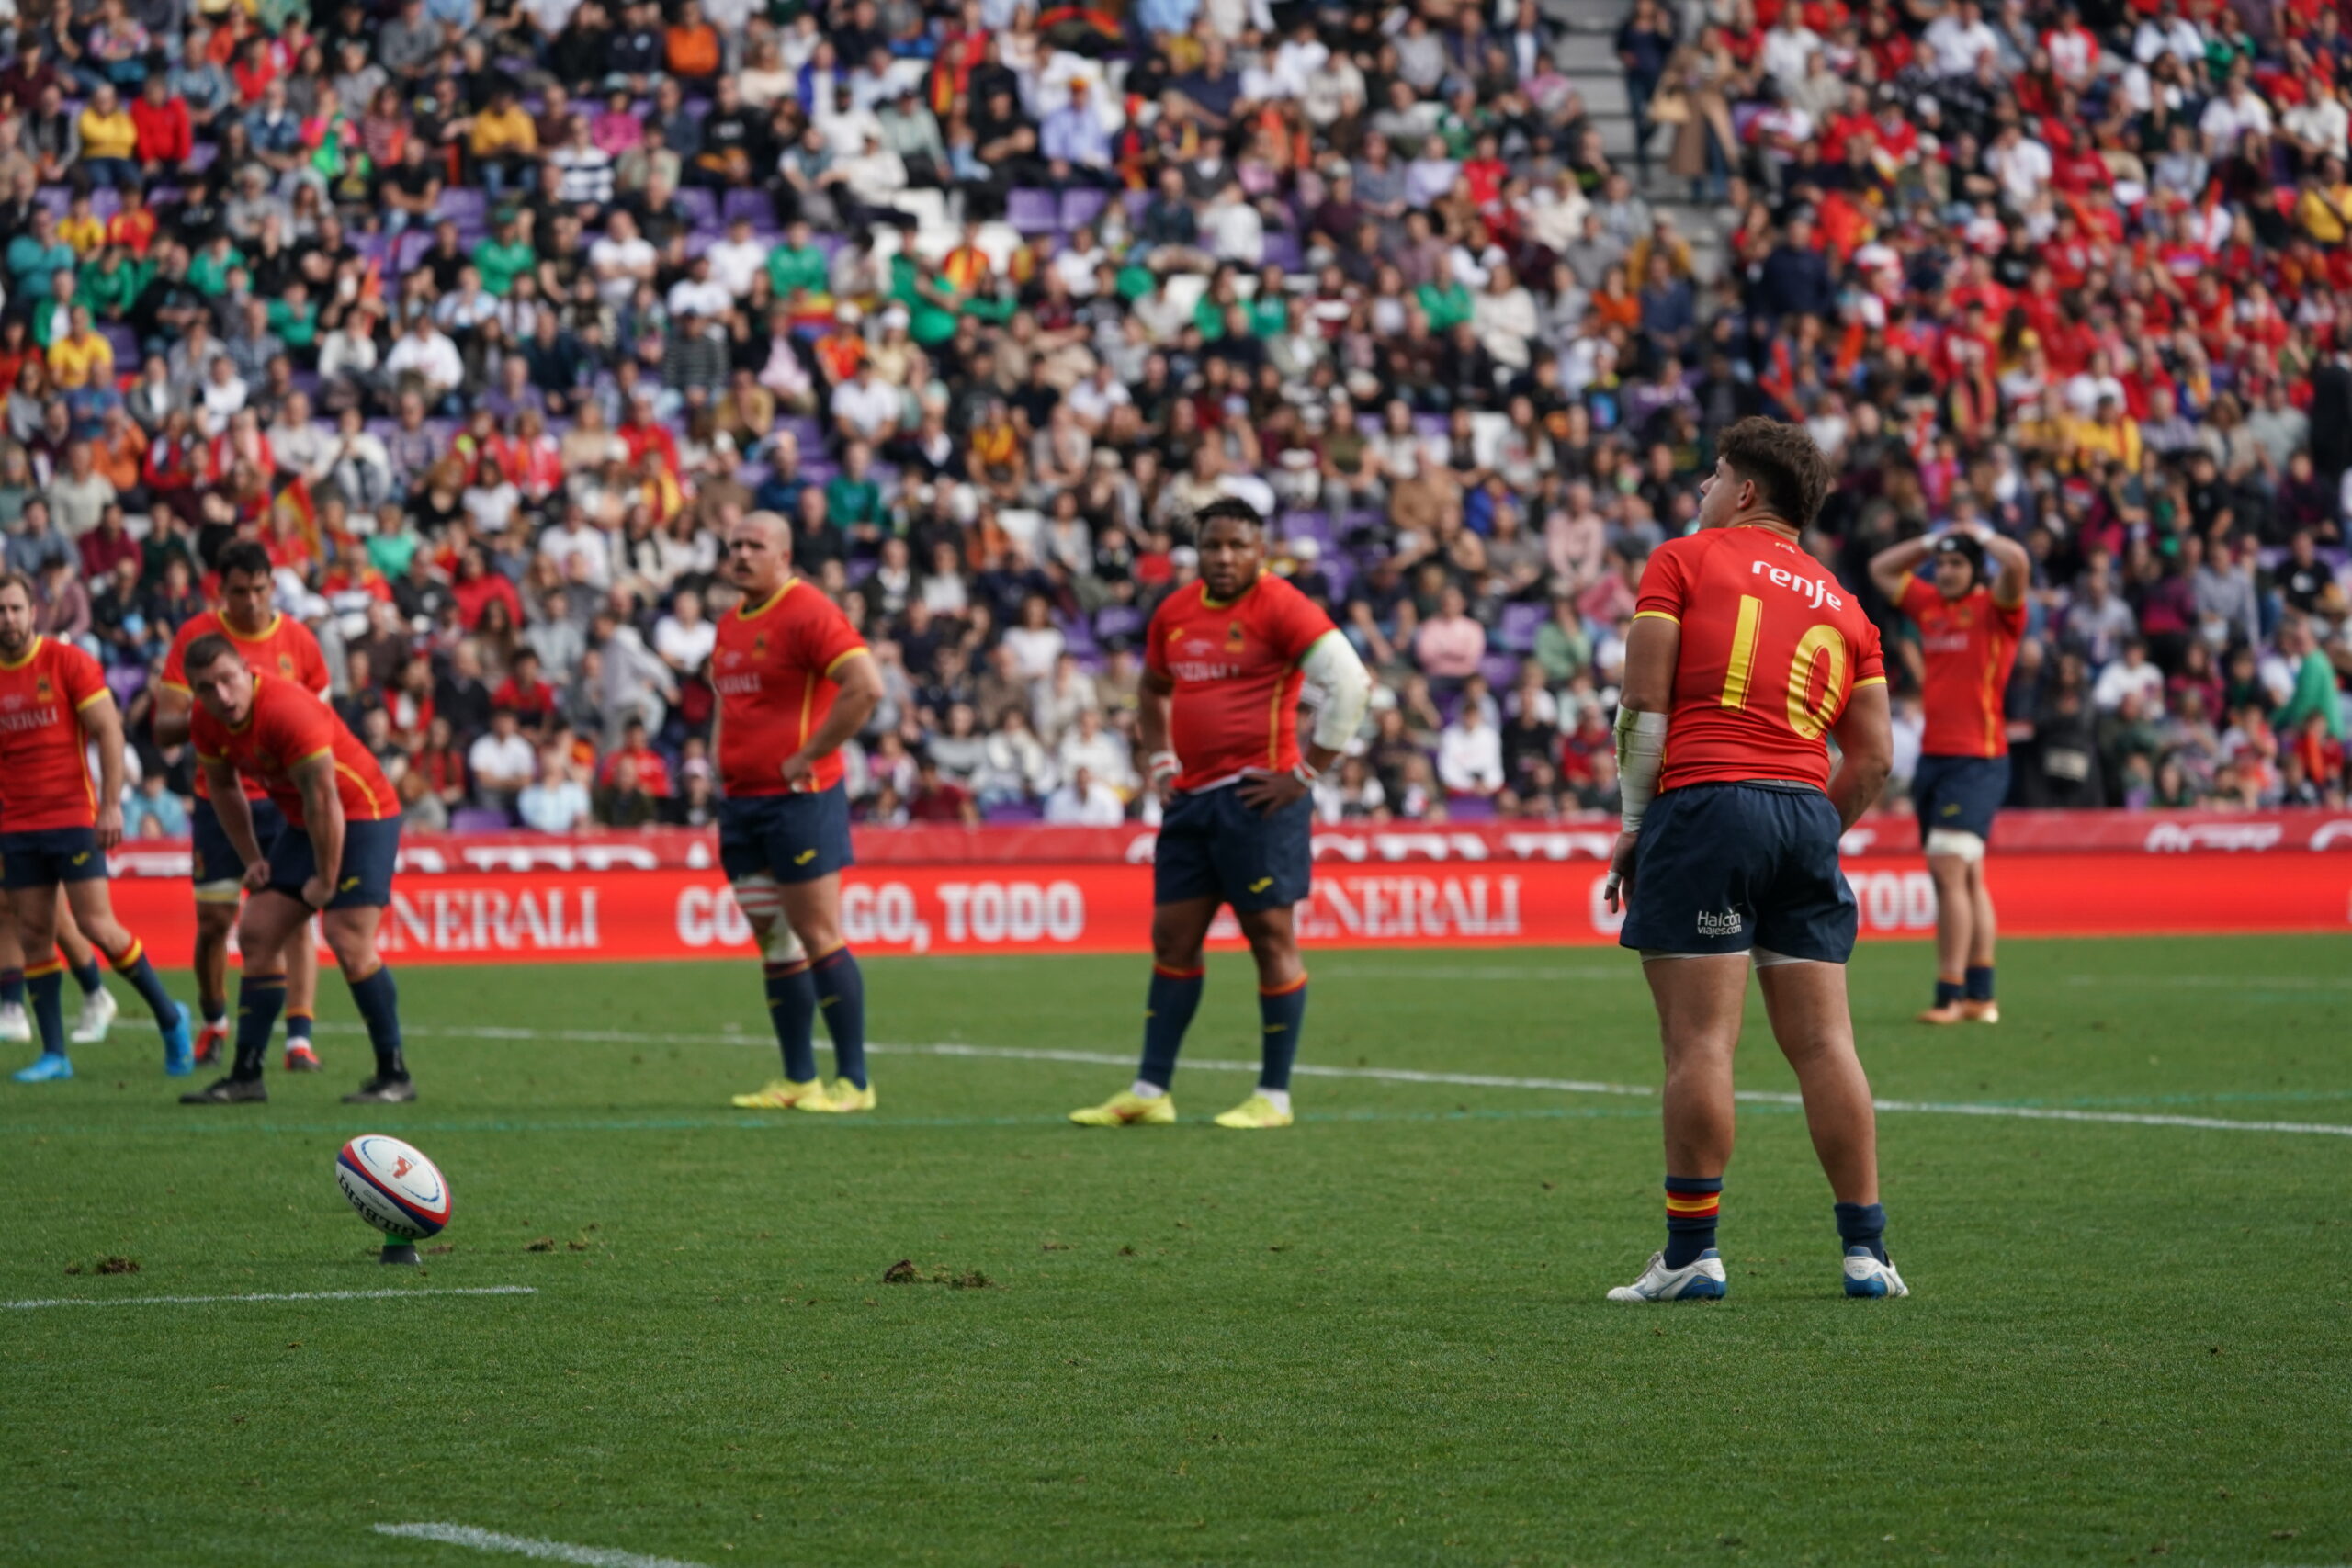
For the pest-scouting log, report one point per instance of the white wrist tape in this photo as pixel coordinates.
(1332, 668)
(1641, 751)
(1163, 765)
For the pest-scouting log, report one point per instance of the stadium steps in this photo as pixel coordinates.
(1586, 53)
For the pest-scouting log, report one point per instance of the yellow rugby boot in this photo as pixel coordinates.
(1128, 1108)
(781, 1094)
(840, 1097)
(1255, 1114)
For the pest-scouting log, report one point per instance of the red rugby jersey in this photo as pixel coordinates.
(287, 727)
(1970, 643)
(1235, 667)
(44, 756)
(774, 668)
(286, 649)
(1772, 648)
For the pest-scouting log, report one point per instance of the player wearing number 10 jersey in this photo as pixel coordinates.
(1746, 654)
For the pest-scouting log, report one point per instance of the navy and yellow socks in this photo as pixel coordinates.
(45, 987)
(1173, 997)
(132, 965)
(1692, 1205)
(1282, 1014)
(379, 1001)
(792, 1011)
(840, 996)
(1863, 1225)
(260, 998)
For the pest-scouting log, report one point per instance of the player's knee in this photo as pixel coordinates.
(353, 944)
(778, 943)
(1960, 850)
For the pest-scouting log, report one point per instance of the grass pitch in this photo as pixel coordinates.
(1377, 1338)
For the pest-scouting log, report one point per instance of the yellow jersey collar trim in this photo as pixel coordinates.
(32, 649)
(789, 584)
(276, 618)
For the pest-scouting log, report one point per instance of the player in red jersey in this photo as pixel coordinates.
(334, 860)
(55, 828)
(794, 681)
(1225, 660)
(1968, 632)
(1745, 654)
(272, 644)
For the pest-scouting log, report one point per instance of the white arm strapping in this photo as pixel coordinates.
(1641, 751)
(1332, 668)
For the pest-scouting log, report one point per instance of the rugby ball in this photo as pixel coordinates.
(395, 1188)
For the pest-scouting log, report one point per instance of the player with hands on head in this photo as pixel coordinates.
(56, 828)
(1968, 632)
(1226, 658)
(795, 682)
(334, 860)
(1746, 655)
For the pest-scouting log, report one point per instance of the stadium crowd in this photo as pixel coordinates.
(483, 315)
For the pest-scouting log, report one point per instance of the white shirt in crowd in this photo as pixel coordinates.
(491, 757)
(1470, 757)
(1097, 805)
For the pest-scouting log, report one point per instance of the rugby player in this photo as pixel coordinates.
(1968, 632)
(1744, 655)
(1226, 658)
(794, 681)
(55, 829)
(334, 860)
(276, 645)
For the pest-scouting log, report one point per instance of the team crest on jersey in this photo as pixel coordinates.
(41, 689)
(285, 665)
(1233, 638)
(760, 645)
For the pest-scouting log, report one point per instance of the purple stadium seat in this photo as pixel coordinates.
(1470, 808)
(473, 819)
(1032, 211)
(1315, 526)
(752, 203)
(1082, 205)
(126, 682)
(1501, 670)
(467, 204)
(125, 344)
(700, 206)
(1014, 812)
(1118, 621)
(1519, 624)
(1282, 249)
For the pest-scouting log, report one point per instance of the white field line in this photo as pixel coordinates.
(527, 1546)
(285, 1296)
(1395, 1075)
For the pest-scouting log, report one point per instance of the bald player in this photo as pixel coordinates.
(794, 681)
